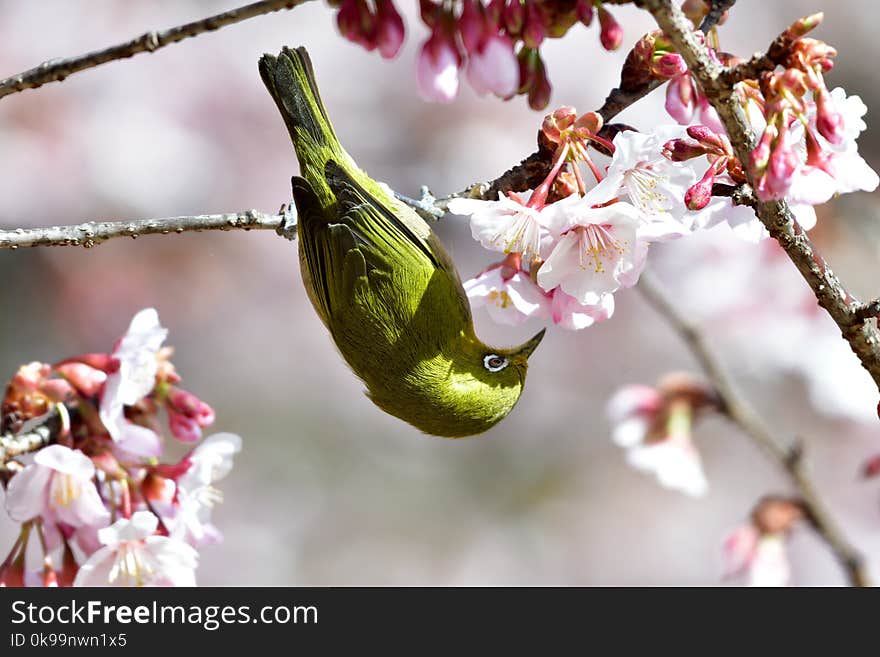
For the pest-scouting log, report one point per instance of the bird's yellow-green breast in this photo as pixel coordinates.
(382, 282)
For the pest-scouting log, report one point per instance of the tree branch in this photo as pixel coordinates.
(737, 409)
(57, 70)
(92, 233)
(862, 336)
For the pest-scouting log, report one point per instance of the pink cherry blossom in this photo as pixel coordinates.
(493, 67)
(598, 251)
(509, 225)
(654, 184)
(566, 312)
(188, 514)
(510, 296)
(761, 557)
(133, 555)
(656, 432)
(58, 487)
(137, 353)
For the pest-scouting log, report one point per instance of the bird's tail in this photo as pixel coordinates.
(290, 79)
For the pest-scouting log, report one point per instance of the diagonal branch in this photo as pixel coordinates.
(56, 70)
(843, 307)
(737, 409)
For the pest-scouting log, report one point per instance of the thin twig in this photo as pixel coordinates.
(92, 233)
(738, 410)
(56, 70)
(34, 438)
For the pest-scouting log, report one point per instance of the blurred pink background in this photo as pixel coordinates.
(328, 490)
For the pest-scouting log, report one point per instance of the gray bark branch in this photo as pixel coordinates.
(56, 70)
(737, 409)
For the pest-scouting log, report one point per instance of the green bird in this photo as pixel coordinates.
(382, 283)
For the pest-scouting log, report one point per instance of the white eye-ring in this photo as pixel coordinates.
(494, 362)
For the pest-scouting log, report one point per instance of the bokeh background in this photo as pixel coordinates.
(328, 490)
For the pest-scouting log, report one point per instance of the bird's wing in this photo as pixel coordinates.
(336, 265)
(395, 228)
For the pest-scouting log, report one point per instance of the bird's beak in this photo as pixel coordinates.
(526, 350)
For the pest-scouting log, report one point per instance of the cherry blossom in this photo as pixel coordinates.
(210, 462)
(566, 312)
(762, 557)
(137, 355)
(58, 487)
(654, 426)
(652, 183)
(598, 251)
(509, 225)
(508, 294)
(133, 555)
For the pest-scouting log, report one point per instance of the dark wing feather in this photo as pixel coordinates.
(335, 265)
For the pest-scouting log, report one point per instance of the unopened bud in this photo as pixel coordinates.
(803, 25)
(668, 66)
(86, 379)
(514, 17)
(390, 30)
(776, 515)
(611, 35)
(471, 26)
(534, 29)
(699, 194)
(680, 150)
(584, 10)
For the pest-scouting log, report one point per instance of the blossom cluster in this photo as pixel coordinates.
(570, 245)
(97, 504)
(496, 42)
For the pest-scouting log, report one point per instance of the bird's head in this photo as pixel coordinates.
(466, 392)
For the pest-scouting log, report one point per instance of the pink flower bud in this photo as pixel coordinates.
(472, 26)
(156, 488)
(680, 150)
(540, 89)
(829, 122)
(493, 68)
(680, 99)
(184, 428)
(390, 30)
(611, 35)
(803, 25)
(357, 23)
(669, 65)
(535, 28)
(495, 14)
(428, 12)
(437, 70)
(86, 379)
(699, 194)
(188, 404)
(584, 9)
(514, 17)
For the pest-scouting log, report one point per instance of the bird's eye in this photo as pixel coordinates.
(494, 362)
